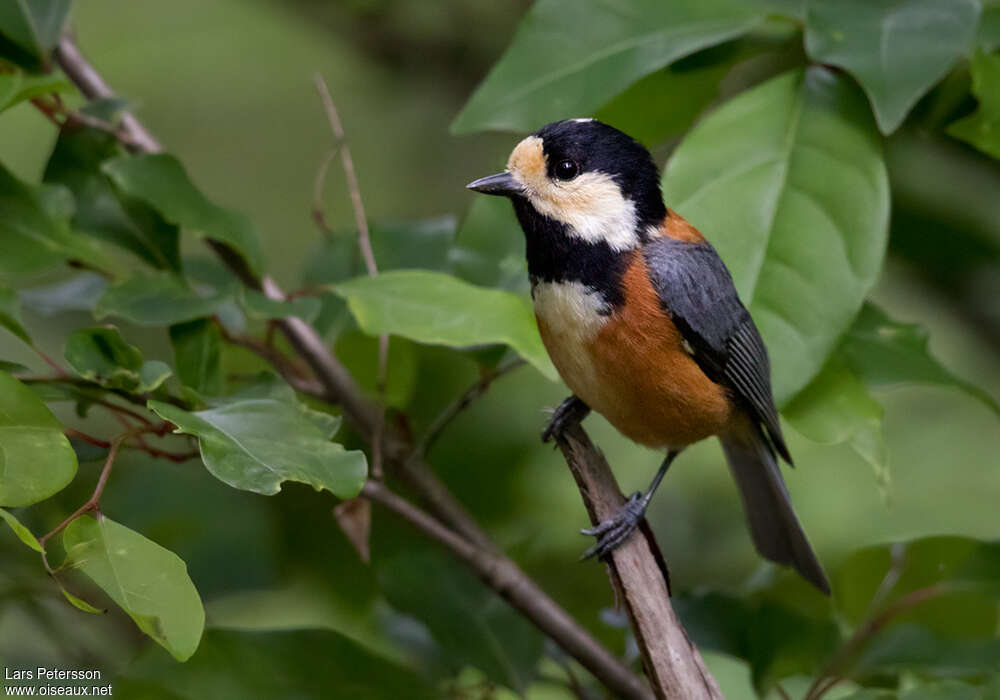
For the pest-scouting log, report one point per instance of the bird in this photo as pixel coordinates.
(641, 318)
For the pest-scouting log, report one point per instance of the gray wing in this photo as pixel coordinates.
(697, 291)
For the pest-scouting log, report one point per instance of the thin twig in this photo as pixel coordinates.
(95, 497)
(466, 399)
(364, 243)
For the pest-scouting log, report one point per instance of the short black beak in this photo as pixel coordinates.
(502, 184)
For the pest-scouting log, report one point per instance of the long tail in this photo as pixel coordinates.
(776, 531)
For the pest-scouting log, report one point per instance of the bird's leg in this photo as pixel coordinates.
(612, 532)
(570, 412)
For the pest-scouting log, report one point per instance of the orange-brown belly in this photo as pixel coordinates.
(631, 367)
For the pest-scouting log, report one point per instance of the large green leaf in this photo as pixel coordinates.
(432, 307)
(101, 355)
(471, 624)
(301, 664)
(10, 314)
(571, 56)
(982, 127)
(788, 182)
(34, 228)
(36, 459)
(148, 582)
(263, 436)
(197, 346)
(17, 86)
(160, 181)
(102, 211)
(32, 27)
(157, 299)
(897, 49)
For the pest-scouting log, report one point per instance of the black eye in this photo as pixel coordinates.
(566, 170)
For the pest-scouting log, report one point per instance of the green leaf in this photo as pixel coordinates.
(569, 57)
(16, 87)
(33, 26)
(101, 355)
(988, 36)
(259, 306)
(23, 533)
(836, 407)
(897, 49)
(886, 353)
(157, 299)
(982, 128)
(197, 347)
(472, 625)
(302, 664)
(148, 582)
(431, 307)
(160, 181)
(80, 603)
(102, 211)
(77, 293)
(263, 436)
(36, 459)
(798, 163)
(414, 244)
(10, 314)
(34, 227)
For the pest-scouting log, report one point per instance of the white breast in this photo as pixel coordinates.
(570, 315)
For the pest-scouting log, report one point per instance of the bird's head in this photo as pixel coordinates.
(597, 183)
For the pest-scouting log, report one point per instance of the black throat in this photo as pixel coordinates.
(554, 256)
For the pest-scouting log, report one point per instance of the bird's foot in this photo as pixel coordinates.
(614, 531)
(569, 413)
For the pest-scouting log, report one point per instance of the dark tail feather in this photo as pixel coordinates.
(776, 531)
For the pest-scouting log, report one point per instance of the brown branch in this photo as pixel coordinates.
(638, 576)
(504, 577)
(467, 540)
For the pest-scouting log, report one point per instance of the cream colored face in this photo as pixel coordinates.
(591, 204)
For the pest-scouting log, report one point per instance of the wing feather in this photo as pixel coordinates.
(696, 289)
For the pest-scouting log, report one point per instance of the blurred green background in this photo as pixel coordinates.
(227, 87)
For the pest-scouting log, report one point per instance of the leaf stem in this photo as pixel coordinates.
(92, 503)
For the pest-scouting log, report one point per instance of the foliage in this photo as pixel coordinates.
(786, 173)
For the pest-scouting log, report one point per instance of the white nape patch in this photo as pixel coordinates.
(571, 314)
(653, 231)
(579, 120)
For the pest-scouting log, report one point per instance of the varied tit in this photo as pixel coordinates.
(641, 318)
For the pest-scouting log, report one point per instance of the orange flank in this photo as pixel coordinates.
(650, 388)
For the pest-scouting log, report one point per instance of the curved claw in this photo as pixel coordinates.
(570, 412)
(612, 532)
